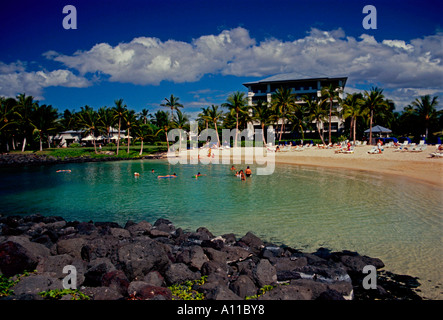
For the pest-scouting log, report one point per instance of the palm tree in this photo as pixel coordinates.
(374, 102)
(263, 114)
(330, 94)
(142, 131)
(107, 120)
(352, 107)
(172, 103)
(317, 113)
(24, 109)
(236, 103)
(143, 115)
(181, 121)
(214, 115)
(298, 119)
(161, 121)
(119, 112)
(130, 121)
(89, 120)
(7, 118)
(44, 120)
(424, 108)
(68, 120)
(203, 116)
(283, 103)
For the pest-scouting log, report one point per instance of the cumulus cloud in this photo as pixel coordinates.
(15, 79)
(146, 60)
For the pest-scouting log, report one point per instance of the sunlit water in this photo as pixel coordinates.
(382, 216)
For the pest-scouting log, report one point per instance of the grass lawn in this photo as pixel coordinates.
(134, 152)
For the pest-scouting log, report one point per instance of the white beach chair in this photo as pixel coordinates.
(375, 150)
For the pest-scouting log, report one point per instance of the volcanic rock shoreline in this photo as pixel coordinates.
(31, 159)
(143, 260)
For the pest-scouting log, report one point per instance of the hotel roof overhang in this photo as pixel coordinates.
(296, 77)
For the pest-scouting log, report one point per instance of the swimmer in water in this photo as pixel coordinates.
(248, 172)
(198, 175)
(174, 175)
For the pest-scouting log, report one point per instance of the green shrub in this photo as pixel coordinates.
(57, 294)
(75, 145)
(187, 290)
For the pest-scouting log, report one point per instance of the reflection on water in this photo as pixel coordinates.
(304, 207)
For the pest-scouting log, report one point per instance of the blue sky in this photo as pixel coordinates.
(200, 51)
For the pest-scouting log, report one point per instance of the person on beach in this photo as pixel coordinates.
(248, 172)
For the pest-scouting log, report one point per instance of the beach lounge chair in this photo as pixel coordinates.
(402, 147)
(436, 155)
(418, 148)
(375, 150)
(285, 148)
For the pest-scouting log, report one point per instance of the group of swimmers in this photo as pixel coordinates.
(241, 174)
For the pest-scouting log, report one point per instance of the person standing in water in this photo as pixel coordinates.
(248, 172)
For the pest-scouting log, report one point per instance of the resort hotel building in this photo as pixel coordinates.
(300, 86)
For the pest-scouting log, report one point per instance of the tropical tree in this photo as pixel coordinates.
(68, 120)
(130, 120)
(214, 115)
(143, 115)
(172, 103)
(331, 93)
(203, 116)
(24, 109)
(424, 108)
(45, 121)
(263, 114)
(298, 119)
(181, 121)
(352, 107)
(283, 103)
(316, 112)
(8, 119)
(107, 120)
(89, 120)
(374, 103)
(161, 121)
(236, 103)
(119, 111)
(142, 131)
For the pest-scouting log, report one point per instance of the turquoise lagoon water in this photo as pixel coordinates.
(393, 218)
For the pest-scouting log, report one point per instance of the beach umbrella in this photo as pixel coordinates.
(379, 129)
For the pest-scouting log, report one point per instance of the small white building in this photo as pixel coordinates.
(65, 138)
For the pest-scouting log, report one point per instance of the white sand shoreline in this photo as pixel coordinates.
(418, 166)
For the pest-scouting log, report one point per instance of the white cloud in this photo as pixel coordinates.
(145, 60)
(15, 79)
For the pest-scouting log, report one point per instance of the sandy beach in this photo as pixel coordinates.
(419, 166)
(416, 165)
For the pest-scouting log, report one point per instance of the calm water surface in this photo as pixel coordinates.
(389, 217)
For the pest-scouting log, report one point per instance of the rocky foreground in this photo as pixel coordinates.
(144, 261)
